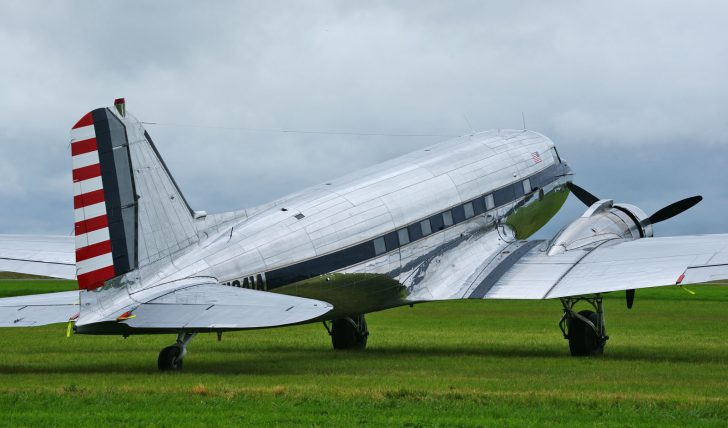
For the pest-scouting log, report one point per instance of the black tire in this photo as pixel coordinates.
(583, 340)
(169, 359)
(344, 335)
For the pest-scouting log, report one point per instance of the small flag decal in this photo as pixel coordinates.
(536, 157)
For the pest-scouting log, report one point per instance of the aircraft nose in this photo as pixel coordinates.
(565, 169)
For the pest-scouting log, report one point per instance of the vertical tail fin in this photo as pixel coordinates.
(128, 210)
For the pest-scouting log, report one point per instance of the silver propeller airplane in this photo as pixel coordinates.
(450, 221)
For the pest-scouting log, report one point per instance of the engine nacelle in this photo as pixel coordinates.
(602, 221)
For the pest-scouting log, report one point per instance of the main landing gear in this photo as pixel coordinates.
(348, 333)
(171, 357)
(585, 329)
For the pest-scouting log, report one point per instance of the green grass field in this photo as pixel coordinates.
(484, 363)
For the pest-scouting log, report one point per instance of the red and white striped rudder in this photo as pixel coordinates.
(94, 261)
(128, 210)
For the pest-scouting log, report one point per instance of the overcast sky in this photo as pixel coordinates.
(633, 93)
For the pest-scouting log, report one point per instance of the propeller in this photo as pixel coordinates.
(663, 214)
(674, 209)
(585, 197)
(630, 298)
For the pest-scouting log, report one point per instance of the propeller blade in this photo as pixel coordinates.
(585, 197)
(630, 298)
(674, 209)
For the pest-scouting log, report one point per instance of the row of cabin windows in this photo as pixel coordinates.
(413, 232)
(369, 249)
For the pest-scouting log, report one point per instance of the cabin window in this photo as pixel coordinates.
(379, 246)
(415, 232)
(517, 190)
(403, 236)
(246, 284)
(503, 196)
(426, 227)
(458, 214)
(479, 206)
(436, 222)
(526, 186)
(489, 203)
(556, 154)
(469, 211)
(391, 241)
(259, 282)
(447, 218)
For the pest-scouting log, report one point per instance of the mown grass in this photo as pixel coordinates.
(484, 363)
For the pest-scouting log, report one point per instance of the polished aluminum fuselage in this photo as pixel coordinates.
(303, 244)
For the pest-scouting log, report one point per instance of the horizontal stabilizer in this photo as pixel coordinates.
(38, 309)
(45, 255)
(212, 306)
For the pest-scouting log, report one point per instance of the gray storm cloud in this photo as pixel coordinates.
(633, 94)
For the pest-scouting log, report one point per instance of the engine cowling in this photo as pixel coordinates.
(602, 221)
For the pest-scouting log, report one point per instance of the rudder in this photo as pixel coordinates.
(128, 211)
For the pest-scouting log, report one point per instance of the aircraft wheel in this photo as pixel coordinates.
(583, 340)
(346, 334)
(170, 359)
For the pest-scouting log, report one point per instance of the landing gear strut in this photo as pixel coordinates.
(348, 333)
(170, 359)
(585, 329)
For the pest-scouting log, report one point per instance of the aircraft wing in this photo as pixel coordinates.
(197, 303)
(46, 255)
(526, 271)
(39, 309)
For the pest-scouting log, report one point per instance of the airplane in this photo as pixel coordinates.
(449, 221)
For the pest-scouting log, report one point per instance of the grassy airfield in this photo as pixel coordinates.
(484, 363)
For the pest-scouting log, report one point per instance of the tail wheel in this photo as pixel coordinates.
(583, 338)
